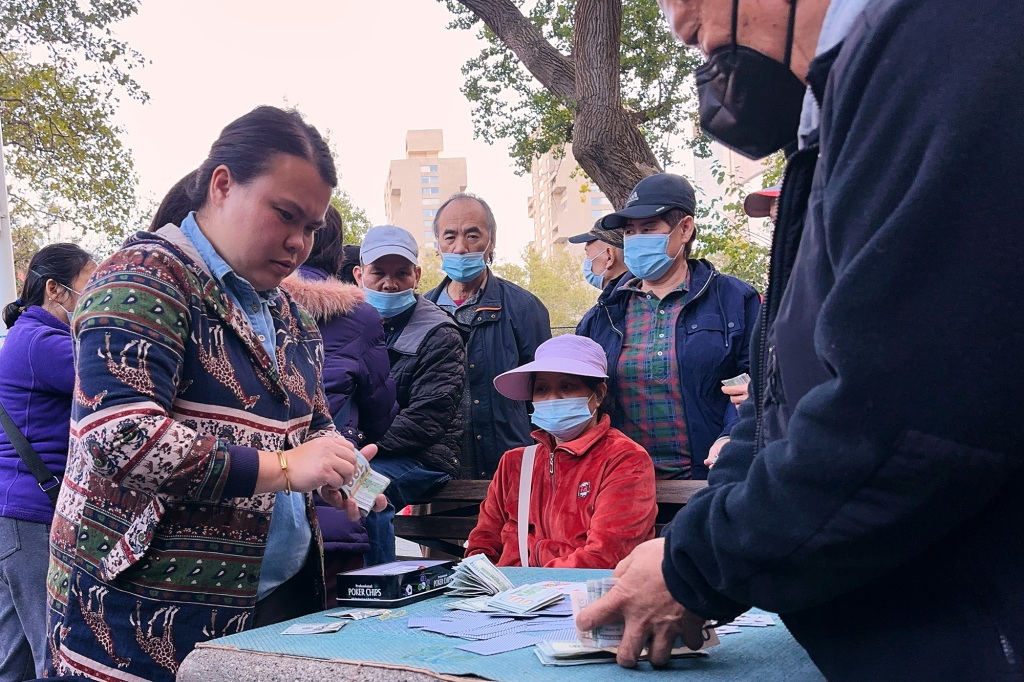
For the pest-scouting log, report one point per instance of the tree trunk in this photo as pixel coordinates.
(606, 140)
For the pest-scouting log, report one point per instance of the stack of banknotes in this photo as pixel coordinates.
(559, 653)
(476, 576)
(609, 636)
(526, 598)
(366, 485)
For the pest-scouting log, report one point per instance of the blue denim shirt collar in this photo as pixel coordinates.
(219, 267)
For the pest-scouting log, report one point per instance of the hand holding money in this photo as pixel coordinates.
(736, 388)
(641, 601)
(365, 491)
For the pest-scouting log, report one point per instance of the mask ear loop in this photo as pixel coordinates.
(789, 32)
(735, 23)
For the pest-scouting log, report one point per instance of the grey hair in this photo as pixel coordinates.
(492, 224)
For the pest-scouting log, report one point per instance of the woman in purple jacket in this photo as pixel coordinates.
(357, 377)
(37, 377)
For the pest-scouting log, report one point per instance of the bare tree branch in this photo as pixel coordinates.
(554, 70)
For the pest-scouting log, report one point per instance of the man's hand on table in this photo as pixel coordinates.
(643, 601)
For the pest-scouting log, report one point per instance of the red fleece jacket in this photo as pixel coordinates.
(592, 502)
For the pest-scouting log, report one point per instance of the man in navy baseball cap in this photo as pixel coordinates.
(651, 197)
(603, 251)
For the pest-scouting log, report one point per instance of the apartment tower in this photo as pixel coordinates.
(564, 202)
(418, 184)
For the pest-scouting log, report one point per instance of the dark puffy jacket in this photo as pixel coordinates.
(873, 492)
(357, 380)
(510, 324)
(357, 377)
(428, 363)
(712, 344)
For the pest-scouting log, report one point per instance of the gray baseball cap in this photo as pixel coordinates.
(389, 240)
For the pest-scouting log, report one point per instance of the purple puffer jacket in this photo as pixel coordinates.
(357, 379)
(37, 377)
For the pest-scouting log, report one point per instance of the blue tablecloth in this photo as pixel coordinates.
(762, 654)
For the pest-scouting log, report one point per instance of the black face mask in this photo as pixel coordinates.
(748, 101)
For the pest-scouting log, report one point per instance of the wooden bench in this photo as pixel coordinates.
(454, 507)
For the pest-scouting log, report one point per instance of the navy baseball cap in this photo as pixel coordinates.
(651, 197)
(613, 237)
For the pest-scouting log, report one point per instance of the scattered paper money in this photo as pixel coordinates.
(476, 576)
(754, 620)
(314, 628)
(526, 598)
(561, 653)
(356, 614)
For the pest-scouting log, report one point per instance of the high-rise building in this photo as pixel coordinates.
(418, 184)
(561, 206)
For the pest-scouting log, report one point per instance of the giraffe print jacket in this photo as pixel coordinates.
(149, 554)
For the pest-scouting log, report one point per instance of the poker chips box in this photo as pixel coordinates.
(394, 584)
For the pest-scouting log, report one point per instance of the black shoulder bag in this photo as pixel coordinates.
(48, 483)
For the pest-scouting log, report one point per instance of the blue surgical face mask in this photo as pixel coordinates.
(463, 267)
(70, 313)
(646, 255)
(563, 418)
(593, 279)
(389, 305)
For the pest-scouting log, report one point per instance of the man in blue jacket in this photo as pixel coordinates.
(504, 323)
(673, 331)
(873, 491)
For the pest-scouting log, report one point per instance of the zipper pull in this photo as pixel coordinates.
(551, 463)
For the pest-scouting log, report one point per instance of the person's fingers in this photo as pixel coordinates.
(369, 451)
(607, 609)
(634, 638)
(622, 566)
(710, 461)
(351, 508)
(660, 651)
(332, 497)
(380, 503)
(692, 630)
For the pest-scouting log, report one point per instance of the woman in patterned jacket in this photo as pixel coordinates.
(199, 423)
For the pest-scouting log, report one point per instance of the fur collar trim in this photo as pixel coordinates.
(323, 299)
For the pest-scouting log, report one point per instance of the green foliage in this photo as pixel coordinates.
(557, 281)
(26, 242)
(723, 234)
(430, 265)
(354, 222)
(62, 74)
(509, 104)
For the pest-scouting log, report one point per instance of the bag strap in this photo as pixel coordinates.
(525, 484)
(48, 483)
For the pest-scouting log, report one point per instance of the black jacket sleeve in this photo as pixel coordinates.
(920, 327)
(435, 394)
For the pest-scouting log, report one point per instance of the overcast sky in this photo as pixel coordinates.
(364, 71)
